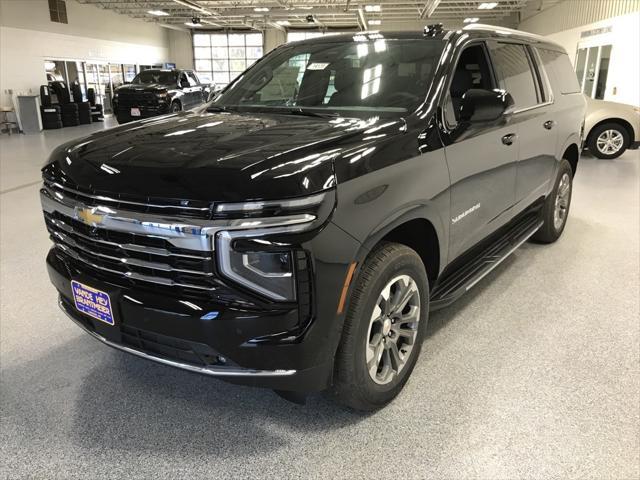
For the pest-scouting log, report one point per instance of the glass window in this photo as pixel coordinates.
(162, 77)
(603, 71)
(389, 80)
(220, 57)
(559, 70)
(512, 63)
(581, 60)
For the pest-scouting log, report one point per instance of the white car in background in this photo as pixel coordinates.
(611, 128)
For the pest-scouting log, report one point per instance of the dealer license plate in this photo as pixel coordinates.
(135, 112)
(92, 302)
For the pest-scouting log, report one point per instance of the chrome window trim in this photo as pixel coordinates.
(213, 371)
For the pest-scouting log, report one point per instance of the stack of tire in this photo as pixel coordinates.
(69, 110)
(96, 108)
(70, 117)
(50, 114)
(84, 108)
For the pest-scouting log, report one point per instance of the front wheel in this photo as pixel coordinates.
(608, 141)
(176, 107)
(556, 206)
(384, 328)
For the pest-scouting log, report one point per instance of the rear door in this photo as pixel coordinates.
(481, 158)
(519, 74)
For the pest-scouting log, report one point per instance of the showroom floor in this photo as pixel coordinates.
(535, 373)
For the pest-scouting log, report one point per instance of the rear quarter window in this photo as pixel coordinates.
(559, 70)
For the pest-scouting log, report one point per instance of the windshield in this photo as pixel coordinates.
(351, 78)
(155, 76)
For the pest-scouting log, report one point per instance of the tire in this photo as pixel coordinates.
(553, 227)
(608, 141)
(175, 107)
(354, 383)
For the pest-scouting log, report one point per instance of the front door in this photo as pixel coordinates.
(481, 160)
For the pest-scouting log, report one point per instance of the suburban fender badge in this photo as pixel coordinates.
(459, 217)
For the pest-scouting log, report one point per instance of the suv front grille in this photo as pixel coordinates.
(129, 259)
(141, 99)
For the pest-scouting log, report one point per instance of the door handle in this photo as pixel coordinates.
(549, 124)
(509, 138)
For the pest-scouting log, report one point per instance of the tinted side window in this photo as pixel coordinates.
(558, 67)
(514, 69)
(193, 80)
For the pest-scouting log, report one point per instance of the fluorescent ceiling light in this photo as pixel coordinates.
(372, 8)
(191, 24)
(261, 9)
(284, 23)
(471, 20)
(487, 5)
(158, 13)
(193, 6)
(374, 22)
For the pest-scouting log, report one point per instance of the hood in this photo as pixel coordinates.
(211, 156)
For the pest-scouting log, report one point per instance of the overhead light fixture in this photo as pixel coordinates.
(195, 22)
(374, 22)
(284, 23)
(373, 8)
(487, 5)
(261, 9)
(158, 13)
(194, 6)
(471, 20)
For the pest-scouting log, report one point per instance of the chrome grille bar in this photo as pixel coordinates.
(163, 252)
(71, 243)
(132, 275)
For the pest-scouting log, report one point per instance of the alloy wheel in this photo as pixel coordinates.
(562, 201)
(610, 142)
(393, 329)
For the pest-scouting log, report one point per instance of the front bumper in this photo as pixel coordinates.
(123, 114)
(263, 347)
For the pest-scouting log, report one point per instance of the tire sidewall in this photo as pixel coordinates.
(596, 132)
(176, 107)
(565, 167)
(410, 264)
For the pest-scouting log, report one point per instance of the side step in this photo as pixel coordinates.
(461, 280)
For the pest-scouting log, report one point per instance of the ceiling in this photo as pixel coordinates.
(326, 14)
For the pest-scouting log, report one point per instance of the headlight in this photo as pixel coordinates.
(265, 267)
(268, 273)
(162, 95)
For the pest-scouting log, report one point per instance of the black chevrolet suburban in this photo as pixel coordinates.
(295, 232)
(156, 92)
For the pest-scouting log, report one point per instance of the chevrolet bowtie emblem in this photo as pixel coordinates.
(88, 215)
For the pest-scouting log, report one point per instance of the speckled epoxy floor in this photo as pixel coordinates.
(534, 374)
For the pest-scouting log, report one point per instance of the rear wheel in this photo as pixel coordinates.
(608, 141)
(383, 329)
(556, 207)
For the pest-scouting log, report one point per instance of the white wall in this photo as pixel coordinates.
(181, 48)
(623, 81)
(28, 37)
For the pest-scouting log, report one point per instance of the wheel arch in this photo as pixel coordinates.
(621, 121)
(417, 230)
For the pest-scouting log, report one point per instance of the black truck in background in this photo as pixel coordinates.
(156, 92)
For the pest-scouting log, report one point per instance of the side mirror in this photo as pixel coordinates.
(480, 105)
